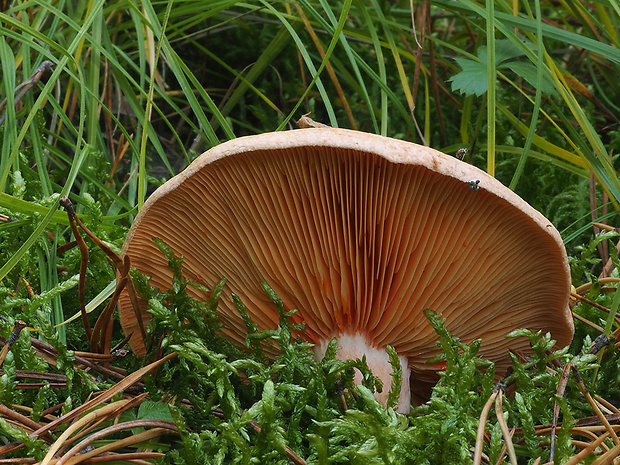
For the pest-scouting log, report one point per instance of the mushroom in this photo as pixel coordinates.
(361, 234)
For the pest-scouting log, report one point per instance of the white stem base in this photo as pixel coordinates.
(355, 346)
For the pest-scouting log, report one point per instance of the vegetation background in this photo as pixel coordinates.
(104, 100)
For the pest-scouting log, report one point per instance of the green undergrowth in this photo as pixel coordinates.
(237, 405)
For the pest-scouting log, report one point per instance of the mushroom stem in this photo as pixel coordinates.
(355, 346)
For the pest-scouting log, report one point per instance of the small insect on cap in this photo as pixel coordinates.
(361, 234)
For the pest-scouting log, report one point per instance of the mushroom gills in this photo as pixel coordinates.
(360, 234)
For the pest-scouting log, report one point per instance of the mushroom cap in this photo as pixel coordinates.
(360, 233)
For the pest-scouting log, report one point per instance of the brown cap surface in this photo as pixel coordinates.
(361, 234)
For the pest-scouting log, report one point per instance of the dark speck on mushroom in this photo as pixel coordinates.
(474, 184)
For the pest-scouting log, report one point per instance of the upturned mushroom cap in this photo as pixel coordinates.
(360, 233)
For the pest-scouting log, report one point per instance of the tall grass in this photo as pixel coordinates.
(199, 73)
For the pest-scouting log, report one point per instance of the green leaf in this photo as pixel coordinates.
(504, 50)
(529, 72)
(472, 80)
(154, 411)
